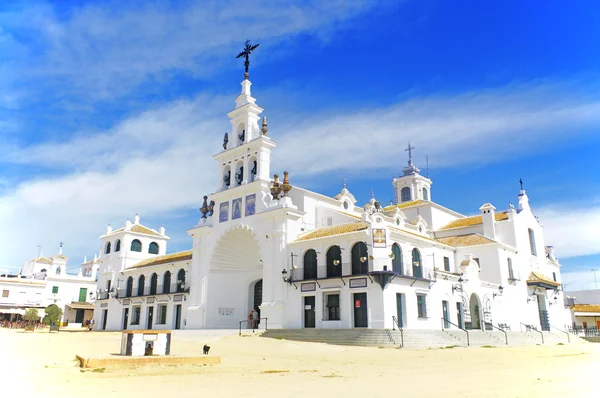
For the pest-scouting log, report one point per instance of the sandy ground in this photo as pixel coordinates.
(41, 364)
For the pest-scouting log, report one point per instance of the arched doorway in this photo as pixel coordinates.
(360, 259)
(334, 262)
(257, 296)
(474, 310)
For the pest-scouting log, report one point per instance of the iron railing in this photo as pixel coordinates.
(529, 328)
(591, 331)
(444, 321)
(173, 288)
(246, 321)
(500, 329)
(394, 324)
(344, 270)
(560, 330)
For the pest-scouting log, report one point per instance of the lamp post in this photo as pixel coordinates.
(595, 281)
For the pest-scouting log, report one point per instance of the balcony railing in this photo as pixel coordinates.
(345, 270)
(173, 288)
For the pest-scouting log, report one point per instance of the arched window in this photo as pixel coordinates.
(57, 270)
(310, 264)
(141, 283)
(397, 261)
(153, 283)
(136, 246)
(43, 270)
(153, 248)
(532, 242)
(167, 282)
(334, 262)
(118, 245)
(107, 248)
(181, 280)
(425, 194)
(405, 194)
(360, 259)
(129, 290)
(416, 264)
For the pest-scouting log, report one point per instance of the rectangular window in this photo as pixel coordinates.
(54, 289)
(447, 264)
(532, 242)
(511, 273)
(332, 307)
(422, 305)
(554, 276)
(5, 293)
(162, 315)
(135, 319)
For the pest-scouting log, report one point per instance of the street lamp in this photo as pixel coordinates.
(595, 281)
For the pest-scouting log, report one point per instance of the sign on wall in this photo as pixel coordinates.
(178, 297)
(236, 206)
(250, 204)
(224, 211)
(308, 287)
(359, 282)
(379, 237)
(226, 311)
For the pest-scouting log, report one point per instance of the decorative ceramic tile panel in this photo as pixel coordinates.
(250, 204)
(236, 205)
(224, 211)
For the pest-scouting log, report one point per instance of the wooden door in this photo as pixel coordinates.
(309, 312)
(360, 310)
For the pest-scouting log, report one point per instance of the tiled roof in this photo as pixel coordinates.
(411, 233)
(167, 258)
(404, 204)
(536, 277)
(465, 240)
(139, 228)
(474, 220)
(42, 259)
(334, 230)
(586, 308)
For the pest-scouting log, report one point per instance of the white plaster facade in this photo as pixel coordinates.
(460, 269)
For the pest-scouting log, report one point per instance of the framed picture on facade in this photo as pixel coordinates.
(224, 211)
(236, 211)
(379, 237)
(250, 204)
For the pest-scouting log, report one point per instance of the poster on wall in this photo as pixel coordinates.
(224, 212)
(250, 204)
(236, 206)
(379, 237)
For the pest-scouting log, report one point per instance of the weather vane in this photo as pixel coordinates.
(248, 48)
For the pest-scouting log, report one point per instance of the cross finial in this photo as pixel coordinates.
(521, 182)
(61, 244)
(409, 150)
(248, 48)
(372, 194)
(344, 184)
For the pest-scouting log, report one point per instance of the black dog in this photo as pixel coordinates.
(205, 349)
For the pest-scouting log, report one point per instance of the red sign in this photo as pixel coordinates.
(357, 304)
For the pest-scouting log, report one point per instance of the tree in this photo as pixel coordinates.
(31, 315)
(53, 315)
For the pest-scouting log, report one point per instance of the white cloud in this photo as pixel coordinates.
(160, 160)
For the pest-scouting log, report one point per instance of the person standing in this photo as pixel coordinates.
(255, 319)
(251, 320)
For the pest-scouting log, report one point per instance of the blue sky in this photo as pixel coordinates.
(112, 108)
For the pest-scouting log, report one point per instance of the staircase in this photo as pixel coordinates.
(415, 339)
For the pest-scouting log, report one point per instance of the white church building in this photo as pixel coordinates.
(305, 260)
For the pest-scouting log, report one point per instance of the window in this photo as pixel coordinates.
(421, 306)
(425, 194)
(55, 288)
(153, 282)
(532, 242)
(310, 264)
(107, 250)
(447, 264)
(334, 262)
(5, 293)
(167, 282)
(141, 282)
(476, 259)
(181, 280)
(162, 315)
(346, 205)
(129, 290)
(416, 264)
(332, 307)
(554, 276)
(360, 259)
(118, 245)
(57, 270)
(397, 261)
(153, 248)
(511, 273)
(405, 195)
(135, 320)
(43, 270)
(136, 246)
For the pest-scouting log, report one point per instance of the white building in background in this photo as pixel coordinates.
(305, 260)
(44, 281)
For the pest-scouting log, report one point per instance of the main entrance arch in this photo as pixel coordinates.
(235, 279)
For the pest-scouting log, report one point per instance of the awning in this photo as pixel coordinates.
(18, 311)
(540, 280)
(78, 305)
(593, 314)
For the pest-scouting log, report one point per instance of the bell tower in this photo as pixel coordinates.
(411, 185)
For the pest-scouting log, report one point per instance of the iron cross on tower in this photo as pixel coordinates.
(521, 182)
(248, 48)
(409, 149)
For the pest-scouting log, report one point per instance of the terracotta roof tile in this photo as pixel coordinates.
(536, 277)
(404, 204)
(139, 228)
(334, 230)
(586, 308)
(474, 220)
(465, 240)
(168, 258)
